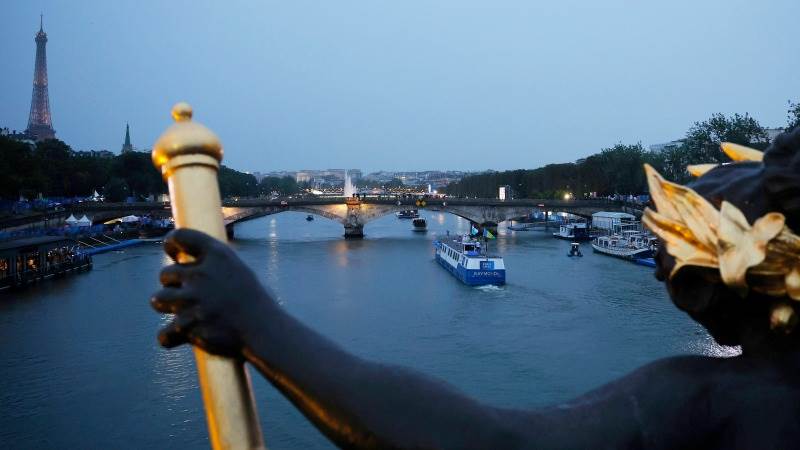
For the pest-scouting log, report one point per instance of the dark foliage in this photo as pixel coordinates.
(618, 170)
(279, 185)
(53, 169)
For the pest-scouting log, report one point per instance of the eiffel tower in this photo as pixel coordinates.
(40, 126)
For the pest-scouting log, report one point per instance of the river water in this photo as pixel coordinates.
(81, 367)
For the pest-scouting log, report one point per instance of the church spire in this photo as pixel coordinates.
(41, 23)
(127, 147)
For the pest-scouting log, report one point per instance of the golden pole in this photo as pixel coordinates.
(188, 155)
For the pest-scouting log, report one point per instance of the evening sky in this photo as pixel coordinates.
(409, 84)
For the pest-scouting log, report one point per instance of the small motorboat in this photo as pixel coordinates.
(575, 250)
(309, 217)
(420, 224)
(647, 262)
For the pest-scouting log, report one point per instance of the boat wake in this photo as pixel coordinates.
(489, 288)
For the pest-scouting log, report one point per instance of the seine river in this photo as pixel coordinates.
(81, 367)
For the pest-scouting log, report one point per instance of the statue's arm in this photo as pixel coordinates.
(221, 306)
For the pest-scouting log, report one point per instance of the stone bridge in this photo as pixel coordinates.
(352, 214)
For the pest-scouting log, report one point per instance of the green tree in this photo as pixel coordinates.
(703, 139)
(280, 185)
(116, 190)
(137, 171)
(793, 117)
(18, 170)
(236, 184)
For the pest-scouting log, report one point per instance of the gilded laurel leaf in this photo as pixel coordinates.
(764, 256)
(742, 246)
(741, 153)
(698, 170)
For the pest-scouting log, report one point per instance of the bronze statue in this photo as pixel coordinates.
(729, 258)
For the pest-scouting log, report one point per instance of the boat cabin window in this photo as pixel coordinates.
(57, 255)
(469, 248)
(28, 262)
(5, 268)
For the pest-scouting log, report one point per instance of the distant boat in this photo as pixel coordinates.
(629, 245)
(522, 226)
(420, 224)
(408, 214)
(309, 217)
(575, 250)
(573, 232)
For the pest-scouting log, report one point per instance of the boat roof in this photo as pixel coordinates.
(29, 242)
(614, 215)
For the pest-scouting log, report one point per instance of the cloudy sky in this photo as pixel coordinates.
(406, 84)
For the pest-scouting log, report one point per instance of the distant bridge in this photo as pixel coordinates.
(353, 215)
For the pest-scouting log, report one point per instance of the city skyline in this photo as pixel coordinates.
(327, 95)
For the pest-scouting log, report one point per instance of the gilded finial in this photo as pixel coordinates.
(186, 142)
(182, 111)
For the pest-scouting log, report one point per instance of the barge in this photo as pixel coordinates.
(28, 261)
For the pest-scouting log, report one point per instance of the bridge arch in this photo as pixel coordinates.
(353, 216)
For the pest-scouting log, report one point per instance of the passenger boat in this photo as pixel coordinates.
(628, 245)
(420, 224)
(28, 261)
(466, 260)
(577, 231)
(408, 214)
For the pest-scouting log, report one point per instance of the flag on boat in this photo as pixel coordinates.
(487, 234)
(473, 231)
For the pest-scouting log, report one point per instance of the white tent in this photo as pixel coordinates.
(96, 197)
(129, 219)
(71, 220)
(84, 222)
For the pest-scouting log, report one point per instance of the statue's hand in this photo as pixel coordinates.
(215, 299)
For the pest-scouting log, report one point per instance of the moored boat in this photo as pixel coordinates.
(577, 231)
(28, 261)
(628, 245)
(466, 260)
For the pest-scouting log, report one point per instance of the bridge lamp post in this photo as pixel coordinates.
(188, 155)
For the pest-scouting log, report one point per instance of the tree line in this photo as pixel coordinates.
(618, 170)
(50, 168)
